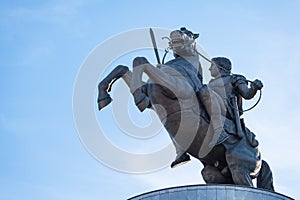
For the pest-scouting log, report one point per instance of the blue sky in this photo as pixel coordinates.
(44, 43)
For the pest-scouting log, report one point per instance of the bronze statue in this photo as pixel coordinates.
(236, 133)
(198, 119)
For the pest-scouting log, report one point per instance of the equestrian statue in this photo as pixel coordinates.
(203, 120)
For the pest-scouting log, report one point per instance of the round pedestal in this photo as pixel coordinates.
(211, 192)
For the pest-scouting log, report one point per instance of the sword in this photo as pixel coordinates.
(154, 45)
(237, 119)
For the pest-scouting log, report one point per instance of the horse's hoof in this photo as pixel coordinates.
(142, 105)
(104, 102)
(141, 100)
(103, 97)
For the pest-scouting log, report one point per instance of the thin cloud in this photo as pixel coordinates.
(58, 12)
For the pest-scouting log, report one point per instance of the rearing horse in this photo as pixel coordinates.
(174, 91)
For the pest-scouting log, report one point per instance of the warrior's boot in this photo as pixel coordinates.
(180, 160)
(181, 155)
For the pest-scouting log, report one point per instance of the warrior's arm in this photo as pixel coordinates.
(243, 89)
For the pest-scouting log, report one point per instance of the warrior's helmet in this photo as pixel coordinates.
(182, 42)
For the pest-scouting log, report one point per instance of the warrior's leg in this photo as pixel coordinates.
(240, 162)
(213, 105)
(105, 85)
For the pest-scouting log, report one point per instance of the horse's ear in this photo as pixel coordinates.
(195, 36)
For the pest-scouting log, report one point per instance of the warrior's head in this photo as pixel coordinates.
(220, 66)
(182, 42)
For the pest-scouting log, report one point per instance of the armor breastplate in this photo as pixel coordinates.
(222, 86)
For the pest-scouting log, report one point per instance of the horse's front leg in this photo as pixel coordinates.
(105, 85)
(137, 86)
(166, 77)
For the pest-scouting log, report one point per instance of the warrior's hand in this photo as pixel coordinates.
(257, 84)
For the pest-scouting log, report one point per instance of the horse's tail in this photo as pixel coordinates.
(265, 177)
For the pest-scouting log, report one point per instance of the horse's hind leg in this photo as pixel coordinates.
(213, 175)
(105, 85)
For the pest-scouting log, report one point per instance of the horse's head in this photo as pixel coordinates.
(182, 42)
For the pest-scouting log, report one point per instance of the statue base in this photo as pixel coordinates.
(212, 192)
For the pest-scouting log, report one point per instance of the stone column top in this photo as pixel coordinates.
(211, 192)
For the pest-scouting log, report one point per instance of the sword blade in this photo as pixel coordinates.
(154, 45)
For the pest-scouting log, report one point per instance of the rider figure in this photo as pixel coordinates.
(232, 88)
